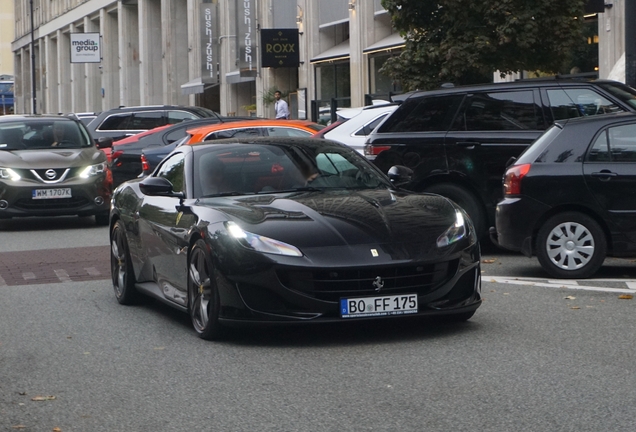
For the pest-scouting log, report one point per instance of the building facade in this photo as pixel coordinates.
(208, 53)
(200, 52)
(6, 37)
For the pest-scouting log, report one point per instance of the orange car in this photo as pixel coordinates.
(151, 156)
(256, 128)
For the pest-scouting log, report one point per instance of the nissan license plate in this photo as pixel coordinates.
(51, 193)
(378, 306)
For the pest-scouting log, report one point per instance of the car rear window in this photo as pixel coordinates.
(537, 149)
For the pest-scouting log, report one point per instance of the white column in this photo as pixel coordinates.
(78, 80)
(50, 79)
(128, 54)
(92, 71)
(110, 64)
(175, 50)
(150, 67)
(63, 72)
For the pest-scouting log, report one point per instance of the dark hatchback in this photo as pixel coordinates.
(289, 230)
(570, 198)
(50, 166)
(458, 140)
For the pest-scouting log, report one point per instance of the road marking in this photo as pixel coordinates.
(630, 285)
(92, 271)
(564, 282)
(28, 276)
(62, 275)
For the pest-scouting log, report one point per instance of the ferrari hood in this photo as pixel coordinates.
(343, 217)
(53, 158)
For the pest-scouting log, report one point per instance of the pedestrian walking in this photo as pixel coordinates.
(281, 107)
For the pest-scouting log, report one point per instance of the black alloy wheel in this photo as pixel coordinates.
(121, 266)
(571, 245)
(203, 297)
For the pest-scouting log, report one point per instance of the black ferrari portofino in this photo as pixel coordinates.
(276, 230)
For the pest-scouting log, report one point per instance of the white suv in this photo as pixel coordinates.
(354, 125)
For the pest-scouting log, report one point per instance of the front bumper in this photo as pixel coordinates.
(89, 196)
(284, 294)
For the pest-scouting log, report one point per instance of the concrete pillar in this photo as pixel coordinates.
(175, 50)
(78, 79)
(110, 63)
(39, 76)
(92, 71)
(194, 45)
(128, 27)
(358, 29)
(19, 84)
(150, 52)
(50, 79)
(64, 72)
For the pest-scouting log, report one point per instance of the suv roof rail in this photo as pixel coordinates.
(448, 85)
(578, 76)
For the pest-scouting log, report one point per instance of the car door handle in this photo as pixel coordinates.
(604, 174)
(467, 144)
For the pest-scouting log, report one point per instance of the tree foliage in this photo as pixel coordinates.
(463, 41)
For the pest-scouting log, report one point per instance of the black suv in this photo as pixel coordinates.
(458, 140)
(569, 198)
(121, 122)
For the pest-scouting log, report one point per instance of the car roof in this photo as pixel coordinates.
(302, 124)
(277, 141)
(525, 83)
(605, 119)
(26, 117)
(137, 137)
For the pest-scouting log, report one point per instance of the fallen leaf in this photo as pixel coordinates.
(42, 398)
(493, 291)
(492, 280)
(22, 393)
(570, 298)
(489, 261)
(506, 293)
(575, 307)
(57, 429)
(625, 296)
(159, 348)
(19, 427)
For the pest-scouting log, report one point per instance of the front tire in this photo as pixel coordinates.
(203, 297)
(121, 268)
(571, 245)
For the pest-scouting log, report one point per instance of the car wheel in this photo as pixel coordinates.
(121, 267)
(465, 200)
(102, 219)
(571, 245)
(203, 297)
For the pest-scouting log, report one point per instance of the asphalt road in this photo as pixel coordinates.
(539, 355)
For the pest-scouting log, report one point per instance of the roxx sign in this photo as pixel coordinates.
(279, 48)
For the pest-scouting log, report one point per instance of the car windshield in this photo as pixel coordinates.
(244, 169)
(38, 134)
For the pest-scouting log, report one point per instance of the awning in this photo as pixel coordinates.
(340, 51)
(195, 86)
(388, 43)
(235, 77)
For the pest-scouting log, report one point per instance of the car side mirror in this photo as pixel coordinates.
(104, 142)
(158, 186)
(399, 174)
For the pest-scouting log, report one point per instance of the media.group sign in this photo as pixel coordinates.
(85, 48)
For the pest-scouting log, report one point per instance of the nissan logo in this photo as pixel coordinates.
(50, 174)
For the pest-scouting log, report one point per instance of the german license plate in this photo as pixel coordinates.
(378, 306)
(51, 193)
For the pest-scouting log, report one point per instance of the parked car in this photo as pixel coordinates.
(289, 230)
(151, 157)
(84, 117)
(569, 199)
(354, 125)
(122, 122)
(126, 153)
(50, 166)
(458, 140)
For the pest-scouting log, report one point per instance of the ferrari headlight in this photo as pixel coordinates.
(260, 243)
(92, 170)
(455, 232)
(8, 173)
